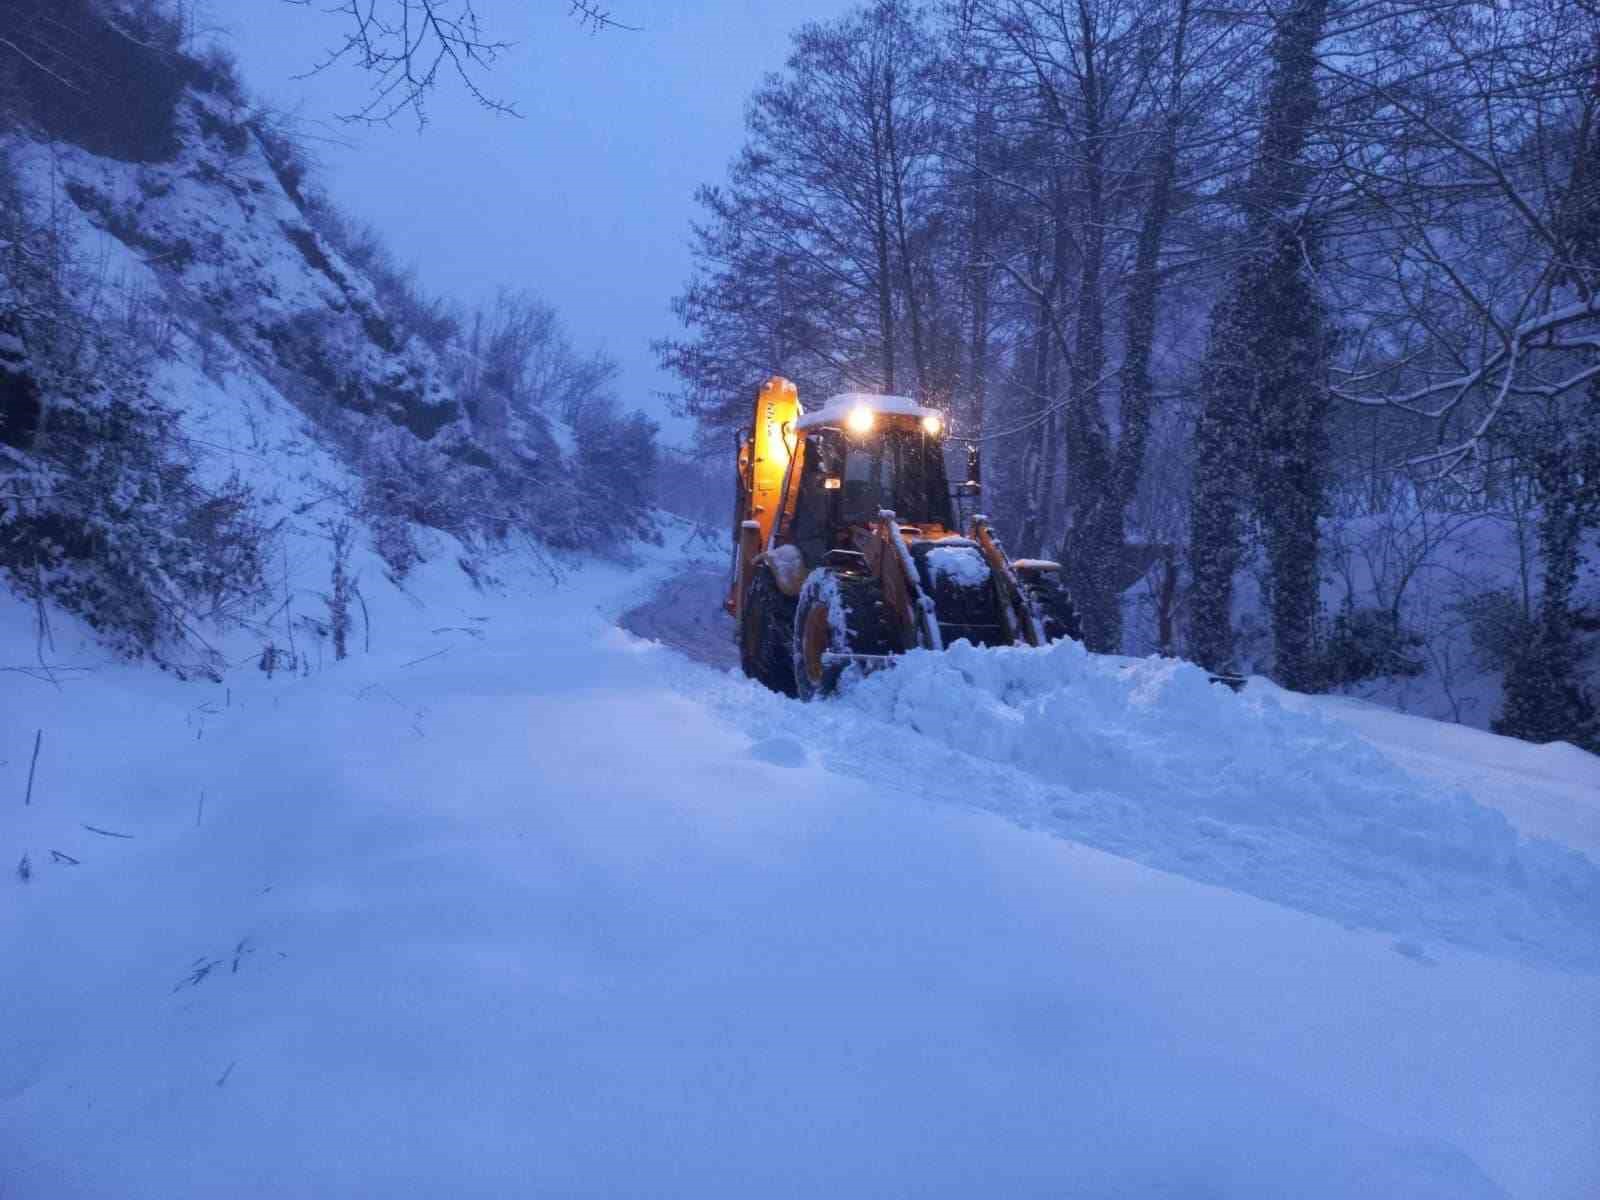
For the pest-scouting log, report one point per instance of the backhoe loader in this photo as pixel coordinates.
(846, 548)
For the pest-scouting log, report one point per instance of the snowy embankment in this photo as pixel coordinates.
(1147, 758)
(518, 904)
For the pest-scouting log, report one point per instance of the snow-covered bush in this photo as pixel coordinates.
(1367, 643)
(617, 465)
(101, 511)
(103, 516)
(1547, 700)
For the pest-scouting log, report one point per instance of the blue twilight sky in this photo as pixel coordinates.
(587, 199)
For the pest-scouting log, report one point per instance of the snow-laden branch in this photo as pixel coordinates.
(1518, 339)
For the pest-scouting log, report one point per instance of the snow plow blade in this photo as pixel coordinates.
(867, 662)
(880, 662)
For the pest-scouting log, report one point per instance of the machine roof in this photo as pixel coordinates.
(836, 408)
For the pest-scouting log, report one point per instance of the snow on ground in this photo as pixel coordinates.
(520, 904)
(1550, 791)
(1149, 759)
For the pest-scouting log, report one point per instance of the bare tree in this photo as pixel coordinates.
(1474, 174)
(520, 356)
(406, 45)
(1120, 99)
(1482, 298)
(812, 261)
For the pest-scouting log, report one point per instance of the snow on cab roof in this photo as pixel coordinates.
(835, 408)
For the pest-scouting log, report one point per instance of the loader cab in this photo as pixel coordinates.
(898, 468)
(858, 456)
(823, 581)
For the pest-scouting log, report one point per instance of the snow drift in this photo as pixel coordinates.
(1147, 758)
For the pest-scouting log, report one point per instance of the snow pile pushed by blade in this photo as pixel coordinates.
(1149, 759)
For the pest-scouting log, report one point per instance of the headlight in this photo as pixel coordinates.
(932, 425)
(861, 419)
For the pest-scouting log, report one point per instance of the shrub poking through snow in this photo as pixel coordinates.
(105, 518)
(1367, 643)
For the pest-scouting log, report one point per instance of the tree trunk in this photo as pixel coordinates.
(908, 278)
(1038, 452)
(1545, 699)
(981, 275)
(1217, 501)
(885, 272)
(1167, 606)
(1263, 404)
(1144, 288)
(1092, 550)
(1291, 425)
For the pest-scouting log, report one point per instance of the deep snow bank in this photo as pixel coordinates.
(1550, 791)
(1146, 758)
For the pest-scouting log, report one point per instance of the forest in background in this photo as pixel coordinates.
(1265, 315)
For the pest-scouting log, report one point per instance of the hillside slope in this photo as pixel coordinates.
(202, 369)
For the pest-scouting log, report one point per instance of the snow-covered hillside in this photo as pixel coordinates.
(520, 904)
(205, 369)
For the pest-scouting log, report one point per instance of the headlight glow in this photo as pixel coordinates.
(861, 419)
(932, 425)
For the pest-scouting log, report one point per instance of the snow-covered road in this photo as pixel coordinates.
(520, 904)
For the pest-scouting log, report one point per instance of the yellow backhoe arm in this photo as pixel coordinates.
(764, 461)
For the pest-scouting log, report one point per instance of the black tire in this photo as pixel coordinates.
(840, 614)
(765, 632)
(1047, 596)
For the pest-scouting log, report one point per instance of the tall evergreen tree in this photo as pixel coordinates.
(1259, 437)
